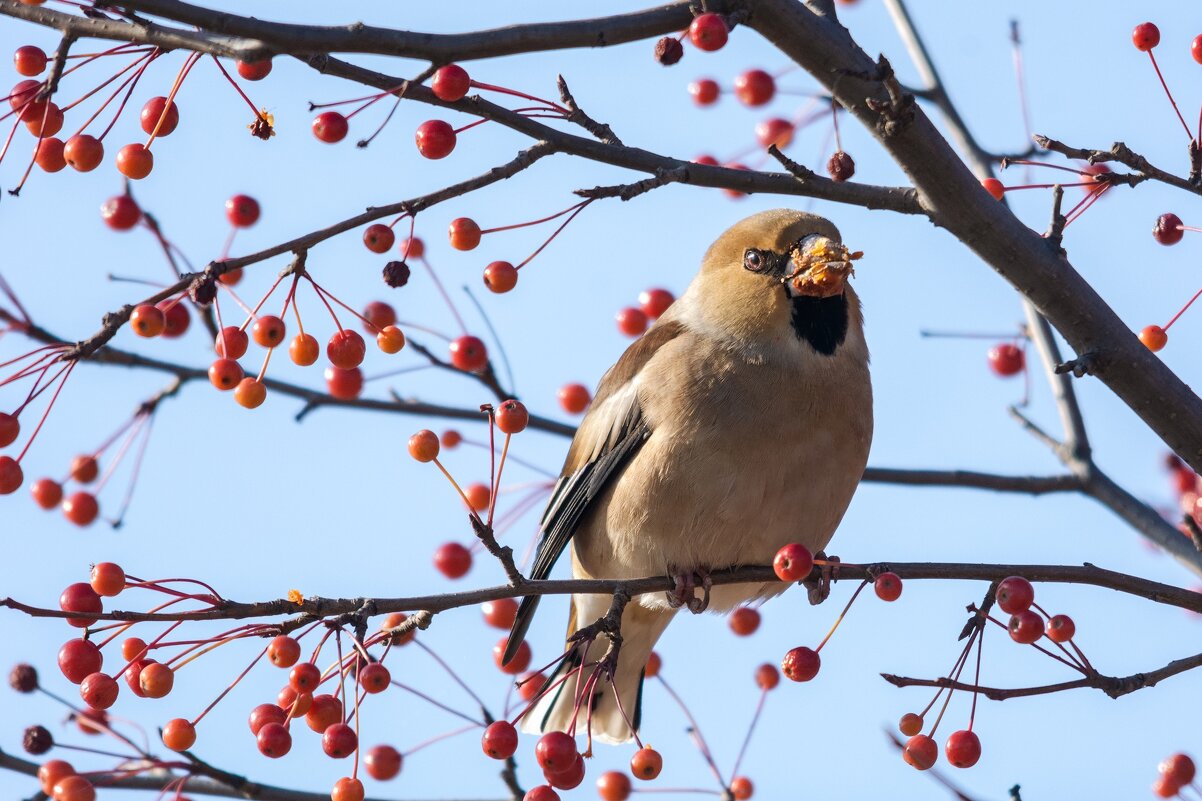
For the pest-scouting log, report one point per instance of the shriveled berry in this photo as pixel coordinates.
(840, 167)
(668, 51)
(37, 740)
(396, 274)
(23, 678)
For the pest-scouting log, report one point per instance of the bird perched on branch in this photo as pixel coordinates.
(738, 423)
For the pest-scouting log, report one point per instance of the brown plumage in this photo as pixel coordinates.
(738, 423)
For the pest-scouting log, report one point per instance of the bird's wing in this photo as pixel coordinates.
(610, 434)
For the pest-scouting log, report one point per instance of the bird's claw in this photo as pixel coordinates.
(684, 592)
(820, 589)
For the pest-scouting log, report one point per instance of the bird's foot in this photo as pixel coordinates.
(820, 589)
(685, 591)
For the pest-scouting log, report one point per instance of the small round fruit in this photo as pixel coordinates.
(81, 508)
(963, 748)
(555, 751)
(263, 714)
(47, 493)
(10, 429)
(1026, 627)
(1154, 338)
(154, 110)
(225, 374)
(801, 664)
(242, 211)
(1015, 594)
(530, 684)
(74, 788)
(346, 349)
(85, 469)
(147, 320)
(512, 417)
(49, 155)
(176, 318)
(304, 677)
(453, 560)
(500, 740)
(51, 772)
(500, 613)
(11, 475)
(910, 724)
(921, 752)
(767, 677)
(99, 690)
(464, 233)
(613, 786)
(478, 496)
(324, 711)
(255, 70)
(383, 762)
(29, 60)
(1060, 628)
(841, 166)
(631, 321)
(108, 579)
(120, 213)
(468, 353)
(1168, 229)
(273, 740)
(268, 331)
(1145, 36)
(1006, 359)
(423, 446)
(134, 161)
(755, 87)
(744, 621)
(708, 32)
(1195, 48)
(542, 792)
(304, 350)
(378, 238)
(250, 393)
(574, 398)
(521, 657)
(179, 734)
(500, 276)
(156, 680)
(646, 762)
(888, 586)
(793, 562)
(83, 152)
(231, 343)
(450, 83)
(741, 788)
(80, 599)
(435, 139)
(994, 187)
(704, 91)
(330, 127)
(78, 659)
(412, 248)
(348, 788)
(569, 778)
(450, 439)
(1178, 768)
(283, 651)
(375, 678)
(654, 663)
(339, 741)
(293, 704)
(390, 339)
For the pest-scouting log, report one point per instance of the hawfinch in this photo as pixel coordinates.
(738, 423)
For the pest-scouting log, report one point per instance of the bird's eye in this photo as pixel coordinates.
(752, 260)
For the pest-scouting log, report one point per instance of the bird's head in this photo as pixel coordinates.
(778, 274)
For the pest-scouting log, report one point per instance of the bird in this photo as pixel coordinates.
(739, 422)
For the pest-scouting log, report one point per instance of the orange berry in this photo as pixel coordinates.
(135, 161)
(994, 187)
(179, 734)
(250, 393)
(304, 350)
(1154, 338)
(147, 320)
(464, 233)
(423, 446)
(108, 579)
(390, 339)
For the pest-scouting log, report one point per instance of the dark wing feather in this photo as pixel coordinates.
(591, 465)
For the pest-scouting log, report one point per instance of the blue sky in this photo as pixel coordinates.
(257, 504)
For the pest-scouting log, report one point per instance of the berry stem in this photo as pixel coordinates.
(842, 614)
(488, 87)
(439, 738)
(121, 72)
(436, 703)
(232, 685)
(189, 62)
(65, 373)
(233, 83)
(451, 672)
(755, 718)
(1177, 316)
(695, 732)
(1169, 94)
(575, 210)
(442, 291)
(381, 126)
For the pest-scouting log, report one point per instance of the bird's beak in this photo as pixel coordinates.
(818, 267)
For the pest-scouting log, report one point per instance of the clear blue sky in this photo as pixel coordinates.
(257, 504)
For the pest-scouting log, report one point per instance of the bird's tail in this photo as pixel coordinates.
(641, 628)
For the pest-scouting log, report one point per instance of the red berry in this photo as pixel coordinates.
(453, 560)
(305, 677)
(631, 321)
(156, 680)
(1060, 628)
(375, 678)
(51, 772)
(347, 788)
(613, 786)
(542, 792)
(450, 83)
(45, 122)
(255, 70)
(1145, 36)
(500, 277)
(176, 318)
(383, 762)
(84, 469)
(774, 131)
(500, 613)
(512, 417)
(529, 685)
(435, 139)
(263, 714)
(500, 740)
(330, 127)
(921, 752)
(569, 778)
(99, 690)
(379, 315)
(521, 658)
(464, 233)
(741, 788)
(1015, 594)
(755, 87)
(1195, 49)
(108, 579)
(468, 353)
(704, 91)
(801, 664)
(135, 161)
(179, 734)
(10, 429)
(324, 711)
(1154, 338)
(346, 349)
(994, 187)
(478, 496)
(47, 493)
(74, 788)
(378, 237)
(888, 586)
(49, 155)
(451, 438)
(80, 599)
(423, 446)
(147, 320)
(268, 331)
(963, 749)
(81, 508)
(767, 677)
(29, 60)
(78, 659)
(344, 384)
(273, 740)
(225, 374)
(654, 663)
(1178, 769)
(793, 562)
(1168, 229)
(284, 651)
(83, 152)
(744, 621)
(1006, 359)
(708, 32)
(654, 302)
(339, 741)
(292, 703)
(412, 247)
(1026, 627)
(120, 213)
(574, 398)
(11, 475)
(154, 110)
(1165, 788)
(555, 751)
(231, 343)
(242, 211)
(646, 762)
(910, 724)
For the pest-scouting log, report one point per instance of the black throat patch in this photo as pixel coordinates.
(822, 322)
